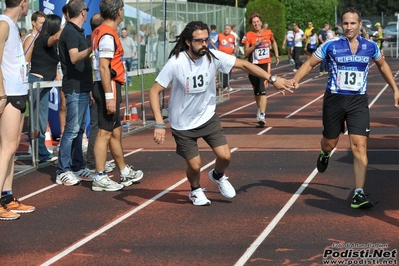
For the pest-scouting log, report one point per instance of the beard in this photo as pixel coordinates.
(200, 52)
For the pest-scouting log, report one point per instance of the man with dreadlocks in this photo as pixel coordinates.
(190, 71)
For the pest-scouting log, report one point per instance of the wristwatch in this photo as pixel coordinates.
(272, 79)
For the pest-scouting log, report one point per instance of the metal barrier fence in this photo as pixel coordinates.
(34, 131)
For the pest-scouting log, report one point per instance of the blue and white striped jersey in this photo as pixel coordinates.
(348, 72)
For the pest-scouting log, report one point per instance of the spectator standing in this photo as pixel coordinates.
(62, 105)
(298, 37)
(289, 41)
(172, 36)
(109, 76)
(44, 67)
(213, 41)
(348, 101)
(162, 48)
(307, 33)
(237, 38)
(22, 33)
(13, 98)
(227, 45)
(257, 45)
(312, 42)
(190, 69)
(142, 44)
(37, 20)
(380, 37)
(330, 33)
(77, 83)
(129, 52)
(95, 21)
(323, 39)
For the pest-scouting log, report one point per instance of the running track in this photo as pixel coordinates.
(285, 213)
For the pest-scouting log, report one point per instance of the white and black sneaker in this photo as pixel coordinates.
(131, 177)
(67, 179)
(198, 197)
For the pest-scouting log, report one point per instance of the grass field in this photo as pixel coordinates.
(148, 81)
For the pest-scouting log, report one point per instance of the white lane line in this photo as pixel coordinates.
(55, 185)
(264, 131)
(120, 219)
(259, 240)
(303, 107)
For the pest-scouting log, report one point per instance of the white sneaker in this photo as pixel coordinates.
(198, 197)
(295, 70)
(110, 164)
(103, 183)
(225, 186)
(84, 175)
(67, 179)
(132, 177)
(261, 119)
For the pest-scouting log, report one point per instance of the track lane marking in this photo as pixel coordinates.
(121, 218)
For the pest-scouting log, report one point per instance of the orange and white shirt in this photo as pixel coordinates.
(261, 54)
(227, 43)
(106, 44)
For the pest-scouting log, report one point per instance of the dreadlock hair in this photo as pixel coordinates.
(187, 34)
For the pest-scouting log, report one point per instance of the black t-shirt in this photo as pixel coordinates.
(77, 77)
(323, 34)
(44, 59)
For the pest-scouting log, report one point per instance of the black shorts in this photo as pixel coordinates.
(259, 84)
(350, 108)
(107, 121)
(19, 102)
(186, 140)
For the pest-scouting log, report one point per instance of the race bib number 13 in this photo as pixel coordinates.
(350, 80)
(197, 84)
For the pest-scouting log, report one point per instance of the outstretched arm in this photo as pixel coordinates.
(304, 70)
(281, 84)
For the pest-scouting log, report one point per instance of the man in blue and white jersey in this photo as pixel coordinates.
(346, 96)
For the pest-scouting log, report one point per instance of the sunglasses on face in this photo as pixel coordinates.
(200, 40)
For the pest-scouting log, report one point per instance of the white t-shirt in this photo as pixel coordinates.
(235, 37)
(290, 36)
(298, 38)
(13, 65)
(192, 100)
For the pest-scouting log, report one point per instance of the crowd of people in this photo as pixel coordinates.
(93, 73)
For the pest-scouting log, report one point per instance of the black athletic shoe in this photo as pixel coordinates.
(360, 201)
(322, 162)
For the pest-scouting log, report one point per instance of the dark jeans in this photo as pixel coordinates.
(44, 154)
(323, 65)
(142, 56)
(70, 155)
(128, 62)
(225, 79)
(295, 55)
(91, 164)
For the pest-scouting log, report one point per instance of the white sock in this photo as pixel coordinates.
(125, 170)
(358, 190)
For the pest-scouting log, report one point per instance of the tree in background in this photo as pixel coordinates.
(369, 8)
(317, 11)
(272, 12)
